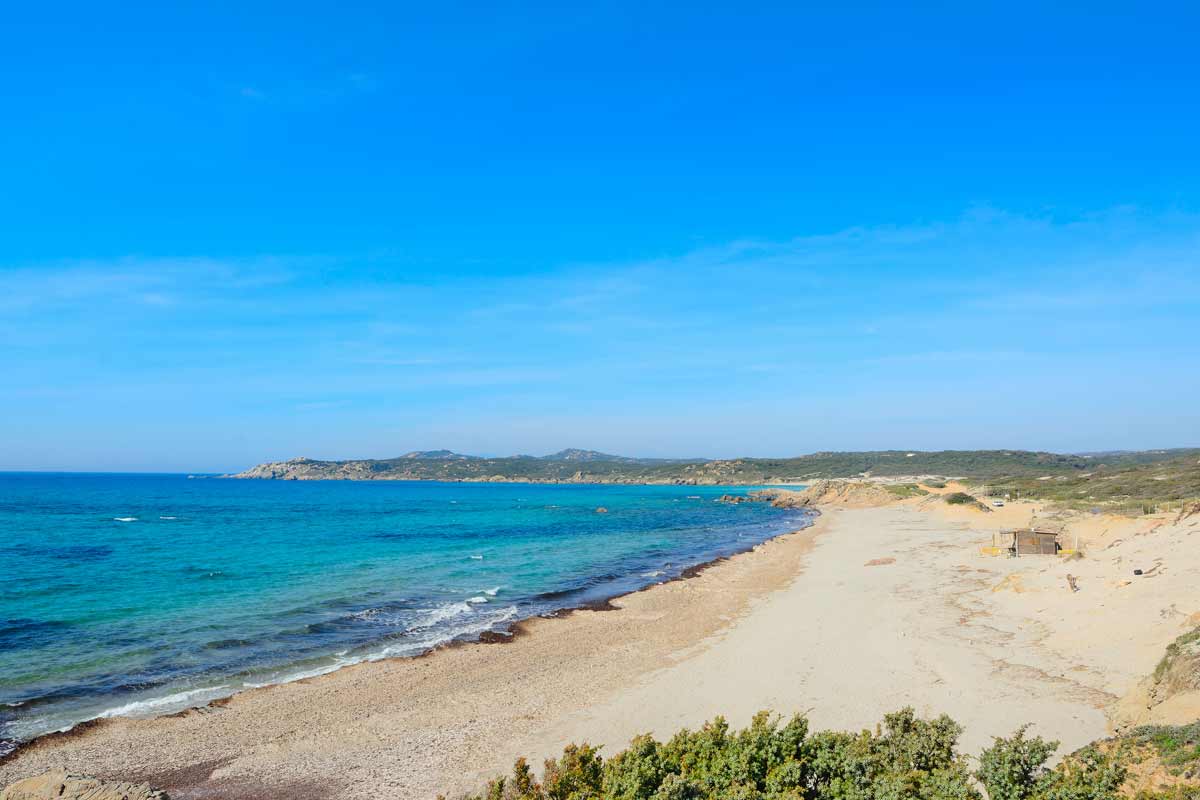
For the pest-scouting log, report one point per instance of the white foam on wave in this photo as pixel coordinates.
(301, 675)
(161, 517)
(473, 625)
(124, 519)
(441, 614)
(493, 591)
(654, 573)
(165, 704)
(477, 599)
(468, 622)
(477, 558)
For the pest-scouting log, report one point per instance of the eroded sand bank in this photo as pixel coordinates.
(869, 610)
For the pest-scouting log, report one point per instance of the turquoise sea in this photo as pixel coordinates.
(146, 594)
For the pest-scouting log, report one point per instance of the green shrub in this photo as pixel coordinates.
(906, 490)
(1174, 793)
(1177, 745)
(1011, 769)
(905, 758)
(960, 498)
(1086, 775)
(1015, 769)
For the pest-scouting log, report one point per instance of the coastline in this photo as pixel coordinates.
(451, 610)
(511, 632)
(867, 610)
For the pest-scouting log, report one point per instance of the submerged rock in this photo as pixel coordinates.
(735, 499)
(62, 785)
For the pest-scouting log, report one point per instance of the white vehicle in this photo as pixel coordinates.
(998, 503)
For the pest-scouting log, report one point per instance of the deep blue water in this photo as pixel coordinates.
(135, 594)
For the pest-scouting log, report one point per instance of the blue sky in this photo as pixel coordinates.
(239, 233)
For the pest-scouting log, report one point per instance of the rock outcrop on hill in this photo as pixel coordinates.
(307, 469)
(61, 785)
(859, 494)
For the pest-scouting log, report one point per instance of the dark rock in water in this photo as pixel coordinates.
(61, 785)
(734, 499)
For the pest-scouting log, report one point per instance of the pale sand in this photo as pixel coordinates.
(802, 624)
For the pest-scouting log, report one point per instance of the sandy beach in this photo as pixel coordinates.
(871, 609)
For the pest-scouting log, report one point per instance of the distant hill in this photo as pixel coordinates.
(573, 454)
(1100, 477)
(435, 455)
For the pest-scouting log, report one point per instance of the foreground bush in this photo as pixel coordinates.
(906, 758)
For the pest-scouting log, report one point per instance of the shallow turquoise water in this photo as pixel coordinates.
(146, 594)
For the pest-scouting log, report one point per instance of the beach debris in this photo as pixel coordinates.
(62, 785)
(1010, 583)
(1137, 572)
(1071, 582)
(1188, 510)
(879, 562)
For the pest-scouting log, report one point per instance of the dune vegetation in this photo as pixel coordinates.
(991, 465)
(906, 757)
(1134, 487)
(906, 490)
(1127, 482)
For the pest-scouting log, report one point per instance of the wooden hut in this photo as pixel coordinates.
(1025, 542)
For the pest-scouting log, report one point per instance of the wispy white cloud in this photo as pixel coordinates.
(974, 288)
(786, 343)
(312, 91)
(136, 280)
